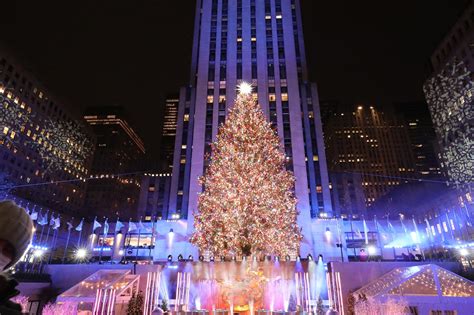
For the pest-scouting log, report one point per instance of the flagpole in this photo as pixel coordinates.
(67, 240)
(55, 238)
(49, 228)
(152, 238)
(80, 233)
(352, 234)
(92, 233)
(378, 235)
(104, 236)
(138, 243)
(42, 226)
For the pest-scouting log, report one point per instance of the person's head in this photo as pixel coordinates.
(16, 232)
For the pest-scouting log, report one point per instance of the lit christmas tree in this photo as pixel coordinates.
(248, 205)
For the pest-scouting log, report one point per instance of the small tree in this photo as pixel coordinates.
(320, 307)
(135, 304)
(131, 304)
(164, 306)
(351, 303)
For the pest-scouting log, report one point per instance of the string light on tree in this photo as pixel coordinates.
(248, 205)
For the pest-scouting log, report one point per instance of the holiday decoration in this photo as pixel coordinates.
(64, 146)
(248, 205)
(450, 96)
(135, 305)
(13, 117)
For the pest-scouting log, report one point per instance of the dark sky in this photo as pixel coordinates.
(132, 53)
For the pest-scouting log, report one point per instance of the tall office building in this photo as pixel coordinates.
(41, 141)
(449, 93)
(114, 187)
(260, 42)
(168, 132)
(373, 143)
(417, 120)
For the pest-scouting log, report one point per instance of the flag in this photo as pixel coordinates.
(118, 226)
(69, 225)
(57, 223)
(43, 219)
(131, 226)
(96, 225)
(106, 226)
(79, 226)
(34, 215)
(52, 220)
(141, 226)
(366, 233)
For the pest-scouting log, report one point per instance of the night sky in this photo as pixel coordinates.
(133, 53)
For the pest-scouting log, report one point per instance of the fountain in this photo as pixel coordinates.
(246, 287)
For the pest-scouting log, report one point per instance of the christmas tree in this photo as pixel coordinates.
(248, 205)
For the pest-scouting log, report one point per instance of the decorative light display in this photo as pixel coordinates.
(63, 146)
(418, 280)
(248, 205)
(13, 117)
(450, 98)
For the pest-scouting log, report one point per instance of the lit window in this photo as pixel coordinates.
(284, 97)
(221, 98)
(5, 130)
(239, 39)
(310, 114)
(253, 39)
(271, 97)
(183, 146)
(279, 16)
(315, 158)
(268, 17)
(210, 99)
(319, 189)
(186, 117)
(183, 161)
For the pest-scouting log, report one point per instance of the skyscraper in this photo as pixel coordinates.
(116, 168)
(260, 42)
(373, 143)
(168, 132)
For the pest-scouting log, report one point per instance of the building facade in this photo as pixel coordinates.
(154, 196)
(114, 186)
(416, 118)
(41, 142)
(348, 198)
(373, 143)
(449, 93)
(260, 42)
(168, 132)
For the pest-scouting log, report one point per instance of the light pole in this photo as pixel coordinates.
(342, 254)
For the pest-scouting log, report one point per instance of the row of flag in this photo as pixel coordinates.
(55, 223)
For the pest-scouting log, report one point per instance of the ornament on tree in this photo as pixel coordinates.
(248, 206)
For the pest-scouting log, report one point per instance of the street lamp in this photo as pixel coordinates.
(342, 254)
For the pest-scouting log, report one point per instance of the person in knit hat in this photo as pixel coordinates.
(16, 232)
